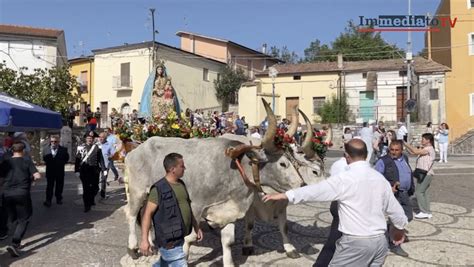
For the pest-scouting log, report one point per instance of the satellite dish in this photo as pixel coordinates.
(410, 105)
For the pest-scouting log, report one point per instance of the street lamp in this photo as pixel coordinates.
(272, 73)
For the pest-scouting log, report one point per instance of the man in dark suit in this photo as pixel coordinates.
(55, 157)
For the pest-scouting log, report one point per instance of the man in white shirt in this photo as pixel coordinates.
(402, 132)
(364, 197)
(367, 135)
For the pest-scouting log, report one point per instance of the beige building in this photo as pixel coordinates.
(121, 73)
(228, 52)
(454, 47)
(293, 86)
(83, 69)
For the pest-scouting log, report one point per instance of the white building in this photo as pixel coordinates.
(121, 72)
(29, 47)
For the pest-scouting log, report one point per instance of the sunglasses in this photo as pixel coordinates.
(54, 142)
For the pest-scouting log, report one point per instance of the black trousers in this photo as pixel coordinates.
(53, 181)
(19, 210)
(90, 184)
(3, 216)
(404, 199)
(325, 256)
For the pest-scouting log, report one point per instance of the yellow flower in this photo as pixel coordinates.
(175, 126)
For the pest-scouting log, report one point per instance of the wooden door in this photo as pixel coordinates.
(401, 99)
(290, 103)
(366, 105)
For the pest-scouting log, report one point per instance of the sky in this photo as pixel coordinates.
(94, 24)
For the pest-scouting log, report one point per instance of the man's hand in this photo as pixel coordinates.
(200, 235)
(398, 236)
(77, 174)
(395, 187)
(105, 173)
(145, 247)
(274, 197)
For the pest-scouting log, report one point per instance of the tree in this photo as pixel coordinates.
(335, 110)
(228, 85)
(354, 46)
(284, 54)
(55, 89)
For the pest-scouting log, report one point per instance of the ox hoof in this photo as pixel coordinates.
(292, 254)
(133, 253)
(247, 251)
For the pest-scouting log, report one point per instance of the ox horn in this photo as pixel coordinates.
(235, 152)
(267, 140)
(307, 146)
(294, 122)
(329, 134)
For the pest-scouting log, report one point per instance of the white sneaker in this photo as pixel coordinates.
(422, 215)
(440, 161)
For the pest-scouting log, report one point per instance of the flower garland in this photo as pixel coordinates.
(319, 145)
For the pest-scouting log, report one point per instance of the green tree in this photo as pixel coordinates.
(335, 110)
(54, 88)
(228, 85)
(284, 54)
(354, 46)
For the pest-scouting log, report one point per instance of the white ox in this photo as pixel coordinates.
(219, 195)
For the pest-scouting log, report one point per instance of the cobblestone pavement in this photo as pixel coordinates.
(65, 236)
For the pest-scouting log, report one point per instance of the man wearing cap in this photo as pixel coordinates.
(89, 165)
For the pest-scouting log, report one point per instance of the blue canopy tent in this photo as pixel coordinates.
(17, 115)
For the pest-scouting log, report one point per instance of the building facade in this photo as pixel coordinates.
(83, 69)
(236, 55)
(454, 47)
(375, 90)
(122, 71)
(32, 48)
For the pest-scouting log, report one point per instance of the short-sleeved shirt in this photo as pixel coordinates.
(181, 196)
(17, 172)
(425, 162)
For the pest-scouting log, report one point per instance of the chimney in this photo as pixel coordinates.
(339, 61)
(264, 48)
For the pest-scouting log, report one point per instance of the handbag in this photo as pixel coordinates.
(420, 174)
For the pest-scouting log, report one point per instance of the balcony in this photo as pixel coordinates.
(122, 83)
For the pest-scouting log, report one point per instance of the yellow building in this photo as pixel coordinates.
(294, 85)
(454, 47)
(83, 69)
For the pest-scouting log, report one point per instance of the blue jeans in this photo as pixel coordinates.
(172, 257)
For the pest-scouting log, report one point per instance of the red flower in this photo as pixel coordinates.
(323, 134)
(317, 141)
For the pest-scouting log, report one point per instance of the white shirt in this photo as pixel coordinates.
(364, 197)
(256, 135)
(367, 135)
(402, 131)
(338, 166)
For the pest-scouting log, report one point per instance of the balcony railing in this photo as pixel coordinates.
(122, 83)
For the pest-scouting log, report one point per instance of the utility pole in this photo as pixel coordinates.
(152, 10)
(409, 58)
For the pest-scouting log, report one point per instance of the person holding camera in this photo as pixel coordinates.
(423, 173)
(395, 167)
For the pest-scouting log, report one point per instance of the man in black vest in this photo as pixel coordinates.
(89, 164)
(55, 157)
(169, 207)
(395, 167)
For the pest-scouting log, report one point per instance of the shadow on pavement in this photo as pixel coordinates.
(49, 225)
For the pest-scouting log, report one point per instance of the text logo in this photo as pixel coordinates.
(405, 23)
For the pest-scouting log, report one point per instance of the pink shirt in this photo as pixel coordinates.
(425, 162)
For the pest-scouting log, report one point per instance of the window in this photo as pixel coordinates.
(297, 77)
(364, 75)
(470, 4)
(434, 94)
(205, 74)
(402, 73)
(471, 106)
(318, 103)
(84, 81)
(470, 41)
(125, 74)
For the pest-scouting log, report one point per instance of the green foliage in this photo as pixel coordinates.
(335, 110)
(284, 54)
(228, 85)
(354, 46)
(55, 89)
